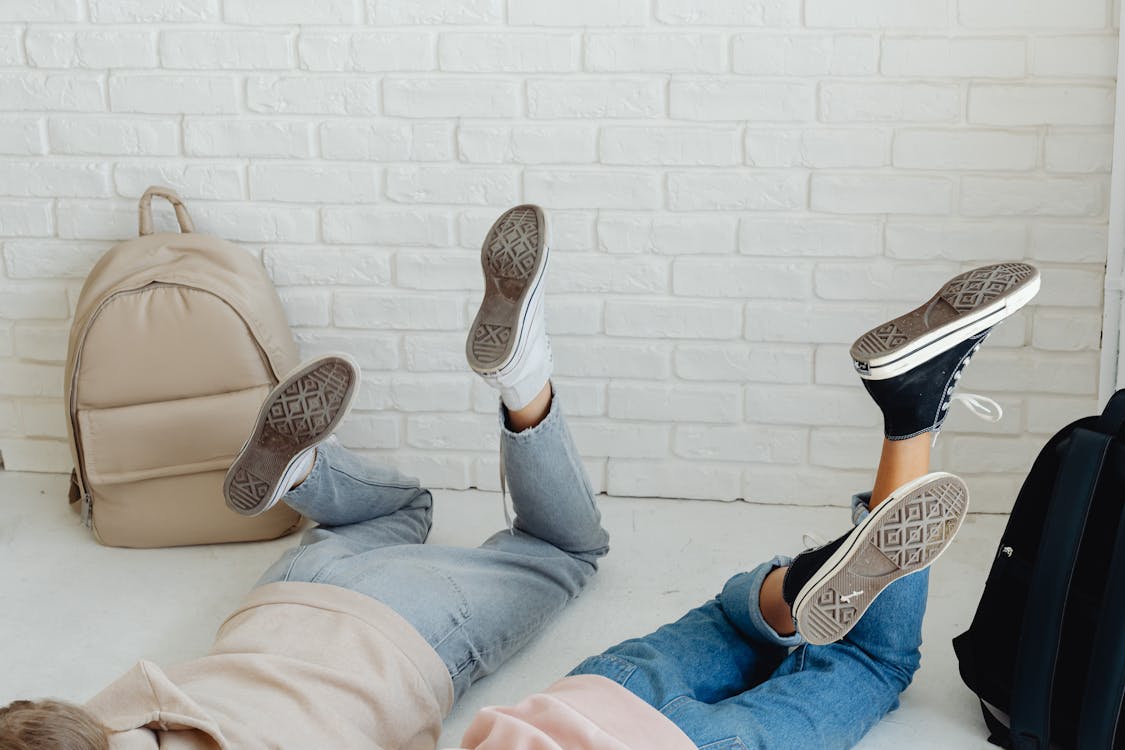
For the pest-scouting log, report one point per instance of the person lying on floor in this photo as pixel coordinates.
(363, 636)
(810, 652)
(722, 677)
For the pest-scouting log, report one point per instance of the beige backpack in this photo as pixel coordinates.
(177, 338)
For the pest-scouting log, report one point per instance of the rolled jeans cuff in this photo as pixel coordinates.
(743, 592)
(860, 509)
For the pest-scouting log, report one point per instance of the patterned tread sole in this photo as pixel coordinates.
(982, 286)
(904, 540)
(298, 413)
(510, 258)
(963, 295)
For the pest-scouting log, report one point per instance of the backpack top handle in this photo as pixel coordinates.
(145, 209)
(1112, 419)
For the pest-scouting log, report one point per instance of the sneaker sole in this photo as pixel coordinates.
(513, 258)
(300, 412)
(904, 535)
(976, 300)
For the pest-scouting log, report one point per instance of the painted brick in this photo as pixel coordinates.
(527, 144)
(810, 405)
(27, 11)
(1049, 414)
(592, 274)
(712, 99)
(246, 137)
(654, 53)
(33, 301)
(397, 312)
(742, 362)
(387, 227)
(877, 13)
(52, 48)
(130, 136)
(975, 150)
(365, 51)
(312, 95)
(805, 55)
(56, 92)
(50, 259)
(946, 57)
(1040, 105)
(373, 351)
(292, 11)
(687, 479)
(813, 238)
(55, 178)
(774, 13)
(1067, 330)
(42, 342)
(740, 278)
(429, 269)
(579, 357)
(998, 196)
(255, 223)
(621, 440)
(578, 13)
(1038, 14)
(216, 181)
(646, 233)
(880, 280)
(370, 432)
(302, 183)
(26, 218)
(736, 191)
(836, 147)
(1079, 152)
(169, 94)
(592, 189)
(1074, 56)
(431, 12)
(577, 98)
(677, 320)
(449, 97)
(889, 102)
(154, 11)
(956, 240)
(881, 195)
(812, 321)
(22, 136)
(1070, 287)
(44, 419)
(694, 146)
(648, 401)
(310, 264)
(508, 53)
(758, 444)
(1068, 243)
(226, 50)
(470, 185)
(386, 141)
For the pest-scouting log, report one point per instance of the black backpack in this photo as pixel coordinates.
(1047, 643)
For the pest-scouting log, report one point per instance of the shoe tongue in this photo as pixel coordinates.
(805, 565)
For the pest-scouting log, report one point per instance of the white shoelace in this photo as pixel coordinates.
(504, 494)
(812, 540)
(980, 406)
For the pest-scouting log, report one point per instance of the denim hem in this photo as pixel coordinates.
(746, 588)
(860, 509)
(548, 422)
(319, 467)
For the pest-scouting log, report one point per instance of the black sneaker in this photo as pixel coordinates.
(830, 587)
(911, 365)
(298, 414)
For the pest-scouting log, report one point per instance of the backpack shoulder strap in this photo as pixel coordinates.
(1050, 584)
(1105, 682)
(1112, 420)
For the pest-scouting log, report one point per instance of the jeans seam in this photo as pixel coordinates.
(370, 483)
(292, 563)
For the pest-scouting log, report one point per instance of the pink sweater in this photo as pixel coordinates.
(304, 665)
(576, 713)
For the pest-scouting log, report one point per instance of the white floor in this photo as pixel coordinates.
(75, 615)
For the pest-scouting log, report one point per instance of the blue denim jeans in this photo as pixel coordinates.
(730, 682)
(476, 607)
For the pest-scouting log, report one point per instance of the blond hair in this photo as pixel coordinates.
(50, 725)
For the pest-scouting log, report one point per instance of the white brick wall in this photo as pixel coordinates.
(738, 188)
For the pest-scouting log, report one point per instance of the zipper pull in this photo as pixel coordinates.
(87, 510)
(1006, 551)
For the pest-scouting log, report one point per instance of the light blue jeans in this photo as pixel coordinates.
(730, 682)
(476, 607)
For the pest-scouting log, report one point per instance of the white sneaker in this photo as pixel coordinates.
(507, 343)
(299, 414)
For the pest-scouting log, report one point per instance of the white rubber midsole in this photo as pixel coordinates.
(943, 338)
